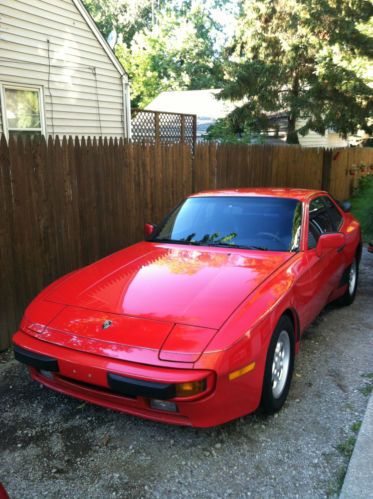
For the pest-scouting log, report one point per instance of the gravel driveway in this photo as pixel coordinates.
(55, 446)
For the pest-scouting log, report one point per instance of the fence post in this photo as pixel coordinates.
(182, 129)
(194, 131)
(326, 169)
(156, 124)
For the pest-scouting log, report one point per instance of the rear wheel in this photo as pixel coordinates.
(279, 367)
(353, 276)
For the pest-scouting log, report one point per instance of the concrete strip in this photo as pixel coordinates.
(358, 483)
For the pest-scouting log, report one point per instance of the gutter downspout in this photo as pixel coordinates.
(127, 107)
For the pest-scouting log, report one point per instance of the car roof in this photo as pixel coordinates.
(280, 192)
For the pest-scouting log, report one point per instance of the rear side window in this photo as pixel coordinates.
(333, 213)
(324, 218)
(319, 217)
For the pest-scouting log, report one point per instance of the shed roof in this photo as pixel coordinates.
(203, 103)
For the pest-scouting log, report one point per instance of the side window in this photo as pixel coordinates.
(333, 213)
(22, 110)
(320, 221)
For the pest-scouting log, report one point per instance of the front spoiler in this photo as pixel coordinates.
(85, 376)
(129, 387)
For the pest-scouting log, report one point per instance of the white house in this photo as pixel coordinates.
(313, 139)
(58, 75)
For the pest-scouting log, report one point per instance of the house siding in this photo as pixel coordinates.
(313, 139)
(82, 88)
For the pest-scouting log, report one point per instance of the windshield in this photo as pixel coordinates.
(264, 223)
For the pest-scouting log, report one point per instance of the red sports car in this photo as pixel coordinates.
(198, 324)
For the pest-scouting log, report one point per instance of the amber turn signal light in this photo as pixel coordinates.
(241, 372)
(191, 388)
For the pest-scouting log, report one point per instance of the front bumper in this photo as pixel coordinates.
(130, 387)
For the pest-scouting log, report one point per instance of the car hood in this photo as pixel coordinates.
(175, 284)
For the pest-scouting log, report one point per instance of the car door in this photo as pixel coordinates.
(324, 272)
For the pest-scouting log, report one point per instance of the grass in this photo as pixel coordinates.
(346, 447)
(356, 427)
(368, 387)
(362, 206)
(335, 488)
(341, 478)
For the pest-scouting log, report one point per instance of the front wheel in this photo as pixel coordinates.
(279, 367)
(353, 276)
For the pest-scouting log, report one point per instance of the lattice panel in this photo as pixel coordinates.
(150, 126)
(143, 126)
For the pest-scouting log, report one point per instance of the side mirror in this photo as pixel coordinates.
(148, 230)
(346, 206)
(335, 240)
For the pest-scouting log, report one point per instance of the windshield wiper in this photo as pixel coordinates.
(205, 243)
(175, 241)
(237, 246)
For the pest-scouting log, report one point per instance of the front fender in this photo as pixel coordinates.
(265, 305)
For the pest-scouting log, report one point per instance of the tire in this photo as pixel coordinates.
(276, 386)
(353, 277)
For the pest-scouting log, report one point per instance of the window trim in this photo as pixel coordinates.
(33, 88)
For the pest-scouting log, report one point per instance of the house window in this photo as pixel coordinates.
(22, 110)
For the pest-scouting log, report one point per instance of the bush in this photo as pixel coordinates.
(362, 206)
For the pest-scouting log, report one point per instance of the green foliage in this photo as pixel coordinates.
(177, 53)
(355, 427)
(368, 386)
(308, 58)
(125, 17)
(224, 132)
(362, 206)
(366, 390)
(163, 45)
(346, 448)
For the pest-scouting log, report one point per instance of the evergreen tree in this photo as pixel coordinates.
(308, 58)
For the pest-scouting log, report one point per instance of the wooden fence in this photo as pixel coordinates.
(65, 203)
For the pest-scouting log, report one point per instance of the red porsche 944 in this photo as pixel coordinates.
(198, 324)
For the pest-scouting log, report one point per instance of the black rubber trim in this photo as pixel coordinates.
(345, 277)
(138, 388)
(35, 359)
(89, 385)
